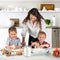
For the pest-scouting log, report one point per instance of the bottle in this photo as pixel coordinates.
(44, 9)
(54, 21)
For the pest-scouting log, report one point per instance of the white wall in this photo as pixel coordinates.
(49, 15)
(5, 17)
(26, 3)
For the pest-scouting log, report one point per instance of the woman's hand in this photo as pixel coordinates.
(23, 44)
(35, 44)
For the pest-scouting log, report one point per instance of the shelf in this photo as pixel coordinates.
(12, 12)
(27, 12)
(49, 11)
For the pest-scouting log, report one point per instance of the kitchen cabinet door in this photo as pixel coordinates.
(55, 38)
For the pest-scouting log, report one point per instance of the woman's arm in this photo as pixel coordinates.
(24, 30)
(23, 41)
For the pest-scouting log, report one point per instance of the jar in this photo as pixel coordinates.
(27, 51)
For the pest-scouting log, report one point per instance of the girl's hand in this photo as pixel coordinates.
(8, 47)
(13, 47)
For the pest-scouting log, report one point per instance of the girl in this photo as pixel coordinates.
(13, 42)
(33, 23)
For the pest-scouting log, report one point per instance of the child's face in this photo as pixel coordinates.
(12, 35)
(41, 37)
(32, 18)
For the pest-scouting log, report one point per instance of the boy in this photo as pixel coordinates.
(13, 42)
(41, 43)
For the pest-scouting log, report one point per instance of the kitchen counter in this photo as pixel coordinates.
(33, 57)
(53, 27)
(29, 58)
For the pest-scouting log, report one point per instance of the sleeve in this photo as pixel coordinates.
(7, 42)
(24, 30)
(19, 42)
(43, 25)
(48, 45)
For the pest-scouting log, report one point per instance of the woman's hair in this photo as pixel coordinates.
(12, 28)
(35, 12)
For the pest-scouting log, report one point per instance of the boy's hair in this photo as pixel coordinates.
(42, 32)
(12, 29)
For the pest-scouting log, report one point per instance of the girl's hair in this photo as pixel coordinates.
(35, 12)
(12, 28)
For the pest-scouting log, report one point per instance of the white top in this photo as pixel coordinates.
(33, 29)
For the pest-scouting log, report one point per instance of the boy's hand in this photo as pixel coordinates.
(45, 45)
(41, 46)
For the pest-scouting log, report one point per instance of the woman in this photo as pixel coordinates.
(33, 23)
